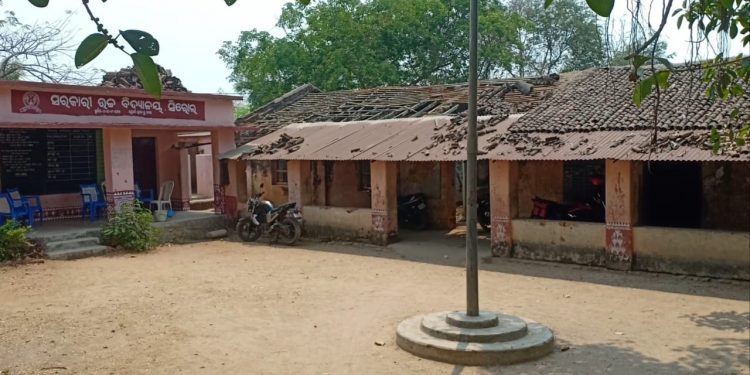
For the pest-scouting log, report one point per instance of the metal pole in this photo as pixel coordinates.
(472, 276)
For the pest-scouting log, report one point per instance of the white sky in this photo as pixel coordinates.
(190, 31)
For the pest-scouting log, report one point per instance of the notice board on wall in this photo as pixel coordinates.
(47, 161)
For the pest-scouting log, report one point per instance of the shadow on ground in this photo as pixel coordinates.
(724, 356)
(449, 250)
(723, 320)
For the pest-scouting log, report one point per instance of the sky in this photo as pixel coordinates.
(191, 31)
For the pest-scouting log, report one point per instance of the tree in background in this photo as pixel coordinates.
(38, 51)
(345, 44)
(563, 37)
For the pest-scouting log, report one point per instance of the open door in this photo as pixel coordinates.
(144, 163)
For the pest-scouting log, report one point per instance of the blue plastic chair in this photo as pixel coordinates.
(144, 196)
(33, 202)
(93, 201)
(8, 210)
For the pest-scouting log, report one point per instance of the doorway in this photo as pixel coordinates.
(144, 163)
(672, 194)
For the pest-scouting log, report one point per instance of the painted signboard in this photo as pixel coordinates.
(56, 103)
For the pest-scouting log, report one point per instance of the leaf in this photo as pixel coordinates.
(39, 3)
(643, 90)
(743, 135)
(141, 41)
(665, 62)
(90, 48)
(230, 2)
(148, 73)
(639, 60)
(662, 79)
(601, 7)
(547, 3)
(715, 141)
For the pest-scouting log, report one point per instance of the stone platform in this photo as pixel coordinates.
(487, 339)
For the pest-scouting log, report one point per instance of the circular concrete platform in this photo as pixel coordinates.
(487, 339)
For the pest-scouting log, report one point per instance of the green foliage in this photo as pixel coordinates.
(345, 44)
(601, 7)
(130, 228)
(39, 3)
(148, 73)
(90, 48)
(563, 37)
(141, 41)
(13, 242)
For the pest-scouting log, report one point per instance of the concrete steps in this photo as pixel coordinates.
(71, 245)
(77, 253)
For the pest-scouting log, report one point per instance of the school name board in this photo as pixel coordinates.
(55, 103)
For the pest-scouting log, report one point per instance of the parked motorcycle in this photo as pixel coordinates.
(280, 223)
(593, 211)
(412, 211)
(483, 214)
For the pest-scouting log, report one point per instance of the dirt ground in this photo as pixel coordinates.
(226, 307)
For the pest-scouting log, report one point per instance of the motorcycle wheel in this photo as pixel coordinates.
(289, 231)
(248, 231)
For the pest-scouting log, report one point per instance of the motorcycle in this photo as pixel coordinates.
(589, 211)
(483, 214)
(283, 222)
(412, 211)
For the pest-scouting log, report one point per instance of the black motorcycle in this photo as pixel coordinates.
(281, 223)
(412, 211)
(483, 214)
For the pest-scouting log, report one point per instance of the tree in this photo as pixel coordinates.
(622, 43)
(37, 51)
(345, 44)
(565, 37)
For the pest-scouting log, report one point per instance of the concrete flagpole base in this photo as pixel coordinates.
(484, 340)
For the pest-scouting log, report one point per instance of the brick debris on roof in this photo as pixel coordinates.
(128, 78)
(307, 104)
(601, 99)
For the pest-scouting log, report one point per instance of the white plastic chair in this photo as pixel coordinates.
(165, 197)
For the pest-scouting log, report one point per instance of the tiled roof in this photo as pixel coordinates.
(128, 78)
(308, 105)
(601, 99)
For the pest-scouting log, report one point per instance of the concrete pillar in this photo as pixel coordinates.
(118, 166)
(299, 173)
(503, 205)
(222, 140)
(384, 189)
(185, 190)
(622, 187)
(446, 215)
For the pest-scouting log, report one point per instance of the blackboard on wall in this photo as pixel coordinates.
(47, 161)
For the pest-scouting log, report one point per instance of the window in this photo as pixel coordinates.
(364, 175)
(579, 180)
(279, 172)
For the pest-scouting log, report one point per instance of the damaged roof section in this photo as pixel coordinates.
(593, 116)
(602, 99)
(435, 138)
(308, 105)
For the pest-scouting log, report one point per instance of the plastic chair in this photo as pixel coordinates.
(93, 201)
(32, 202)
(144, 196)
(165, 197)
(8, 210)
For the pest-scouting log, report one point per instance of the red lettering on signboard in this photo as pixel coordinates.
(55, 103)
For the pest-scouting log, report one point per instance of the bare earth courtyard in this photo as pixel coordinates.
(227, 307)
